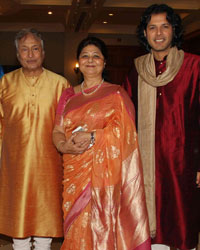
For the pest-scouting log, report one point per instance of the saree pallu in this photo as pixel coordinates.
(103, 198)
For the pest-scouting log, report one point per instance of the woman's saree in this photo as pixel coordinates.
(103, 198)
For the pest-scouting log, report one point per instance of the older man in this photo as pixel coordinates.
(164, 85)
(31, 170)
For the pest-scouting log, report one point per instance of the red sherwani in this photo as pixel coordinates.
(177, 153)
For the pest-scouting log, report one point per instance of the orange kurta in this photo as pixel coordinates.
(31, 172)
(103, 197)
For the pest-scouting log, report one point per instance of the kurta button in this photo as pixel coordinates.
(160, 72)
(160, 94)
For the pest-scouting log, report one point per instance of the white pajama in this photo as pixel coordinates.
(39, 243)
(22, 244)
(162, 247)
(159, 247)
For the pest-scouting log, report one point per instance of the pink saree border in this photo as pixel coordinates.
(114, 89)
(78, 207)
(144, 246)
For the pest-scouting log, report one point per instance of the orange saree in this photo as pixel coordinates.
(103, 197)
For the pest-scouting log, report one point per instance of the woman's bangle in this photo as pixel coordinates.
(92, 139)
(60, 144)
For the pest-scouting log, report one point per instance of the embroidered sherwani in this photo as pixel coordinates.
(31, 168)
(177, 153)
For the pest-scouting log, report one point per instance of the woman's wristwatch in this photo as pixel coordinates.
(92, 139)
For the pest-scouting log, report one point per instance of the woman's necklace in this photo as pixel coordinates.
(90, 93)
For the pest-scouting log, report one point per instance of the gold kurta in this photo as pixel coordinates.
(31, 169)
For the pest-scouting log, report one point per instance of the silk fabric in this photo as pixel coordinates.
(115, 216)
(177, 147)
(31, 168)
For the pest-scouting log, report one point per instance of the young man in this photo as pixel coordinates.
(31, 168)
(164, 86)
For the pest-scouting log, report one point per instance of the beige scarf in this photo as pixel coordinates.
(147, 91)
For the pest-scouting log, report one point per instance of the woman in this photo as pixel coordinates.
(103, 198)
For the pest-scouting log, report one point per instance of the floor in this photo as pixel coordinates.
(5, 244)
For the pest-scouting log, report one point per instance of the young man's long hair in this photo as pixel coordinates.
(173, 18)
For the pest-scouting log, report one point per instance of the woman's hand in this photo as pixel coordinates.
(82, 137)
(76, 144)
(198, 179)
(72, 146)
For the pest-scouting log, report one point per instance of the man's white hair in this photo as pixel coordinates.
(22, 33)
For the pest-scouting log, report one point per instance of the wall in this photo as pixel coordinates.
(54, 51)
(7, 49)
(120, 61)
(71, 43)
(192, 42)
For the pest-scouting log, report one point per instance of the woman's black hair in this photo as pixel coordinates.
(173, 18)
(92, 40)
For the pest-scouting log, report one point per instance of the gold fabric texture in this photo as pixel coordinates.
(116, 216)
(31, 168)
